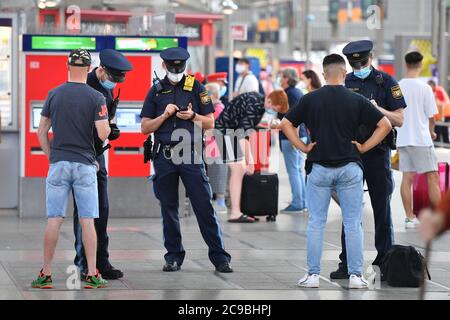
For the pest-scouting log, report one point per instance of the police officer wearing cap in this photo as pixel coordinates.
(181, 102)
(385, 94)
(112, 70)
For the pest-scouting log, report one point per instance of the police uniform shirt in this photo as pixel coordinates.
(93, 81)
(181, 94)
(380, 87)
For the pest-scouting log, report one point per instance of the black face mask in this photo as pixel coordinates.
(175, 68)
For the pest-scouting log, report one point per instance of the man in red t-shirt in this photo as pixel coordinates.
(443, 103)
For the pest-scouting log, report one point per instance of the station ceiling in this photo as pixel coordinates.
(189, 5)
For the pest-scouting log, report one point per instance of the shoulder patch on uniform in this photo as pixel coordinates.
(397, 92)
(205, 98)
(189, 83)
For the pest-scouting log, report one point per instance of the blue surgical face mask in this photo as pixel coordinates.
(223, 90)
(363, 73)
(107, 84)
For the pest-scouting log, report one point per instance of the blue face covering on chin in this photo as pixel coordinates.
(223, 90)
(108, 85)
(363, 73)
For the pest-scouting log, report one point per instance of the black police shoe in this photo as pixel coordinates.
(224, 268)
(83, 275)
(377, 269)
(111, 273)
(171, 266)
(340, 273)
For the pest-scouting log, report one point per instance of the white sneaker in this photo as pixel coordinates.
(411, 223)
(309, 281)
(220, 209)
(357, 282)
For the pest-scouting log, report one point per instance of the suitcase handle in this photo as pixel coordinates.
(446, 176)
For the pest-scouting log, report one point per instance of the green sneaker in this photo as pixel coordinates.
(42, 281)
(94, 282)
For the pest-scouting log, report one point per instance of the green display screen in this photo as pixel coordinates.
(62, 43)
(145, 44)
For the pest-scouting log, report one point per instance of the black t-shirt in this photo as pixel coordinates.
(73, 109)
(333, 115)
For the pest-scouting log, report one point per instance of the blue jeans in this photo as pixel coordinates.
(348, 182)
(293, 160)
(64, 176)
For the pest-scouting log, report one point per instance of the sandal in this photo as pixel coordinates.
(242, 219)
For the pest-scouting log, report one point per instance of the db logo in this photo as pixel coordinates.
(34, 64)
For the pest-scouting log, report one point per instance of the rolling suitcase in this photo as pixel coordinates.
(420, 187)
(260, 195)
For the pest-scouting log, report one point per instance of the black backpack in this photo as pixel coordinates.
(403, 267)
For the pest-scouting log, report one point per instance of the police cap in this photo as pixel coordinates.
(115, 63)
(175, 59)
(357, 52)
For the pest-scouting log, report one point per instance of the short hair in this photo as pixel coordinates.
(315, 80)
(333, 59)
(413, 59)
(279, 98)
(431, 82)
(244, 60)
(214, 88)
(291, 74)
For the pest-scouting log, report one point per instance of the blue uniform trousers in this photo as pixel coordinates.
(196, 182)
(378, 176)
(100, 224)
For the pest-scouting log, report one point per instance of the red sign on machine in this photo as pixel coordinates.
(239, 32)
(46, 71)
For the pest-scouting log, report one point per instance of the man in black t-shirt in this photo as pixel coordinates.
(333, 115)
(72, 110)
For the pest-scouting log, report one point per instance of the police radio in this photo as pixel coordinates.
(157, 83)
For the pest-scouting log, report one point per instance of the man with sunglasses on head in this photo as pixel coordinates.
(385, 94)
(112, 70)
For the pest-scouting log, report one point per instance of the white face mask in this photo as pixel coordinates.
(240, 68)
(302, 85)
(175, 77)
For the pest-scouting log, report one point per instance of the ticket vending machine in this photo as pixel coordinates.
(44, 66)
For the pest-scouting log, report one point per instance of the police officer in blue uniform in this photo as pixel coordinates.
(173, 104)
(112, 69)
(385, 94)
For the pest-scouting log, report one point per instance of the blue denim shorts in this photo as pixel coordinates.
(63, 176)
